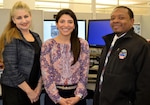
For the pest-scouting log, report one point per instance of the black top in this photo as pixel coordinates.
(35, 72)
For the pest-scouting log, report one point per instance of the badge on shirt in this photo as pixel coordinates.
(123, 54)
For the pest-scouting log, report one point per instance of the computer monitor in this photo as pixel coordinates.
(50, 29)
(96, 30)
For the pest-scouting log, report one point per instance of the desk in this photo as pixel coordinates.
(91, 81)
(92, 76)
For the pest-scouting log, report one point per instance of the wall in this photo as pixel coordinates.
(4, 18)
(145, 26)
(37, 22)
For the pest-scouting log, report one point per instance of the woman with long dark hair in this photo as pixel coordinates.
(65, 63)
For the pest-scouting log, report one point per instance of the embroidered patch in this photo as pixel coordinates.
(123, 54)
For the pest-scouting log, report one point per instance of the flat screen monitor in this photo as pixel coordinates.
(96, 30)
(50, 29)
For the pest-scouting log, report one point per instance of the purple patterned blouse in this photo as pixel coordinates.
(56, 60)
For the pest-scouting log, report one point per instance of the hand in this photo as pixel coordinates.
(73, 100)
(33, 96)
(38, 90)
(63, 101)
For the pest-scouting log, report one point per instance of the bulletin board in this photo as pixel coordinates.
(137, 28)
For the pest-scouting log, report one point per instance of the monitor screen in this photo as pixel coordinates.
(50, 29)
(96, 30)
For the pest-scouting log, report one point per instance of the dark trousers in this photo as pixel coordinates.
(64, 94)
(15, 96)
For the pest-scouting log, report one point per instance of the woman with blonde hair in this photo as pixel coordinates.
(20, 52)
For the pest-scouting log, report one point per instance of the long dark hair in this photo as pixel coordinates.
(75, 43)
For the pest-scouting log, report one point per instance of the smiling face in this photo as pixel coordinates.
(65, 25)
(22, 19)
(121, 21)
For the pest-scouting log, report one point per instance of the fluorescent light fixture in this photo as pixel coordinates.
(120, 2)
(1, 1)
(51, 5)
(102, 6)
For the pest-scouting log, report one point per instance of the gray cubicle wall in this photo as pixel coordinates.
(145, 26)
(4, 18)
(37, 20)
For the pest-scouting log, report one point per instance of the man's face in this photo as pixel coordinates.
(121, 21)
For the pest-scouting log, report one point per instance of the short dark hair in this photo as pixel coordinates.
(130, 12)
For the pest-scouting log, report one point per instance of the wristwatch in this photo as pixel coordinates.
(80, 96)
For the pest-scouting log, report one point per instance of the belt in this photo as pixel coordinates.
(66, 87)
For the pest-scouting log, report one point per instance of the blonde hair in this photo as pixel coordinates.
(11, 32)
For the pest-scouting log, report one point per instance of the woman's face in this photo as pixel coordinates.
(65, 25)
(22, 19)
